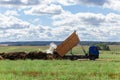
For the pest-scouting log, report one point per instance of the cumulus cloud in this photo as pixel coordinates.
(106, 29)
(36, 7)
(36, 2)
(67, 19)
(36, 21)
(92, 2)
(11, 13)
(65, 2)
(111, 4)
(44, 9)
(90, 25)
(14, 29)
(19, 2)
(8, 22)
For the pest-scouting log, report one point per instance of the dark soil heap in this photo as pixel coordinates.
(30, 55)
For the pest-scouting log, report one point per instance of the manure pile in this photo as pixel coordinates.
(30, 55)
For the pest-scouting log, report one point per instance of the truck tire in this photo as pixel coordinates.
(92, 58)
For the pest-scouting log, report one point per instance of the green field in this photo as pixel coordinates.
(107, 67)
(22, 48)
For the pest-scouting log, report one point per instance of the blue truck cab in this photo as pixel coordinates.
(93, 52)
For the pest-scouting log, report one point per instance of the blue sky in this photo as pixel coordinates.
(44, 20)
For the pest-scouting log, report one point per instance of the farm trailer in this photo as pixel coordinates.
(71, 42)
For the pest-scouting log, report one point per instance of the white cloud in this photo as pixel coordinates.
(110, 4)
(14, 29)
(113, 4)
(11, 13)
(106, 29)
(36, 2)
(44, 9)
(8, 22)
(91, 26)
(92, 2)
(36, 21)
(67, 19)
(65, 2)
(19, 2)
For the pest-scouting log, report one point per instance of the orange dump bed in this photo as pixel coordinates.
(68, 44)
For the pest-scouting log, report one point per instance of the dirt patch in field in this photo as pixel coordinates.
(114, 75)
(105, 59)
(109, 59)
(110, 75)
(33, 74)
(36, 74)
(9, 72)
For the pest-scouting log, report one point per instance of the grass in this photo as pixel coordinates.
(105, 68)
(22, 48)
(76, 50)
(59, 70)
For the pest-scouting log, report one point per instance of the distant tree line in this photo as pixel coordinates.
(103, 46)
(98, 42)
(44, 43)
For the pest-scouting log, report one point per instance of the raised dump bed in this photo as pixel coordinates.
(68, 44)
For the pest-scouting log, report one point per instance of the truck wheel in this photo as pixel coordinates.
(92, 58)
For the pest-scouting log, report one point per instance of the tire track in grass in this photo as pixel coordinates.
(56, 74)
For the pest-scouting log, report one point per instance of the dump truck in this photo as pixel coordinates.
(56, 51)
(72, 41)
